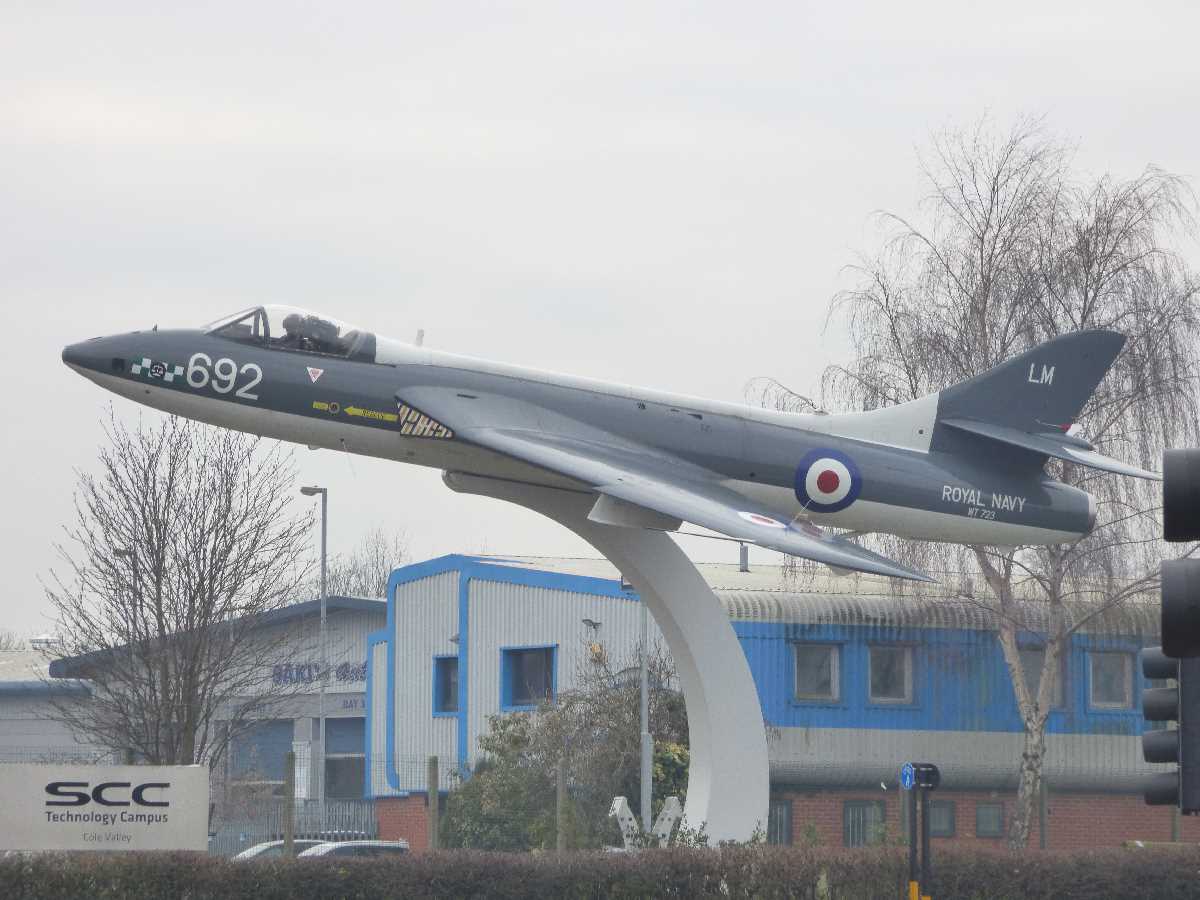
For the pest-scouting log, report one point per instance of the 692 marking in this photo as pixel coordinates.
(224, 375)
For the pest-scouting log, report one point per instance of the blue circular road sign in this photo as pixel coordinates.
(908, 776)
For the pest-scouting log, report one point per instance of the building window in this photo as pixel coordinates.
(989, 820)
(891, 674)
(526, 677)
(863, 822)
(1112, 680)
(779, 822)
(817, 672)
(1033, 660)
(345, 778)
(345, 758)
(259, 752)
(941, 818)
(445, 684)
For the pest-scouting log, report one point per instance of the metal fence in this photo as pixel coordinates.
(237, 829)
(410, 774)
(61, 755)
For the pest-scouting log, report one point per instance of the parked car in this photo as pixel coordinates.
(357, 848)
(274, 848)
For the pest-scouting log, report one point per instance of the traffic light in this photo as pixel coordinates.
(1179, 656)
(1180, 580)
(1181, 495)
(1177, 745)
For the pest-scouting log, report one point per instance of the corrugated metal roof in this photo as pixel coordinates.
(42, 688)
(76, 666)
(25, 672)
(805, 594)
(23, 665)
(811, 608)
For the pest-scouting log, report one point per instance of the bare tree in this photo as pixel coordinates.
(182, 543)
(10, 641)
(365, 570)
(1014, 249)
(771, 394)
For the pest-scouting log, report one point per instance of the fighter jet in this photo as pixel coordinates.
(966, 464)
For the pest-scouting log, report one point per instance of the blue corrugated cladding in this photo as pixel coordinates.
(960, 680)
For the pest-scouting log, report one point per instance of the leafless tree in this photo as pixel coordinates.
(182, 543)
(768, 393)
(364, 571)
(9, 641)
(1012, 248)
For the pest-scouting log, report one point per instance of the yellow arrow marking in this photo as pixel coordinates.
(371, 414)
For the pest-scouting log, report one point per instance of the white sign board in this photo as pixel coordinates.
(103, 807)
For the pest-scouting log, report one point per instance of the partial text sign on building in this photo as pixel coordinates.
(56, 807)
(310, 673)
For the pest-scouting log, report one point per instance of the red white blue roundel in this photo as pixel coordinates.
(827, 481)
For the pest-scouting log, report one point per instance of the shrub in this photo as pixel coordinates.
(732, 872)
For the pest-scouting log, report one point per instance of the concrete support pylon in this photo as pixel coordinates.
(728, 779)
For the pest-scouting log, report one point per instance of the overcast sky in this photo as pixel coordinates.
(657, 193)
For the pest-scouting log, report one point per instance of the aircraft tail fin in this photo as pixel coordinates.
(1031, 401)
(1042, 389)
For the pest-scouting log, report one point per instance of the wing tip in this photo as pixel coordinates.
(913, 575)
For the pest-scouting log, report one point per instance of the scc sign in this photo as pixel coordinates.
(104, 807)
(97, 794)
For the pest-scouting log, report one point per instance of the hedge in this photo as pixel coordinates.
(739, 872)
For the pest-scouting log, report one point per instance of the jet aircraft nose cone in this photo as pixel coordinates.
(97, 355)
(76, 355)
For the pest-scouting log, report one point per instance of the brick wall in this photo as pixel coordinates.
(403, 818)
(1074, 821)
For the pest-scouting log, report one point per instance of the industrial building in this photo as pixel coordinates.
(247, 782)
(28, 731)
(290, 672)
(853, 680)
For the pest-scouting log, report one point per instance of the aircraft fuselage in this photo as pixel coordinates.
(894, 479)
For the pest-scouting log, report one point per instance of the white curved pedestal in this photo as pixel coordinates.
(728, 780)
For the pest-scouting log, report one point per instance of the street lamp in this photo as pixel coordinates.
(135, 597)
(312, 491)
(131, 555)
(647, 754)
(647, 742)
(134, 604)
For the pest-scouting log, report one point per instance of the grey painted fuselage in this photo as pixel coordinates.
(913, 477)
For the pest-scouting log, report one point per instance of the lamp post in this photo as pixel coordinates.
(647, 772)
(324, 666)
(131, 555)
(134, 604)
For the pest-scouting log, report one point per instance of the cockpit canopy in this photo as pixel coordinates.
(288, 328)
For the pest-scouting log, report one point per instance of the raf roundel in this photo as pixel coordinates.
(827, 481)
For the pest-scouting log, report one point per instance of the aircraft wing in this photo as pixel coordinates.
(679, 490)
